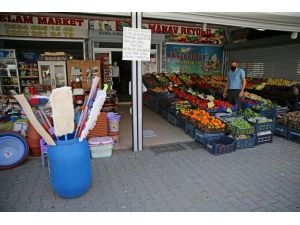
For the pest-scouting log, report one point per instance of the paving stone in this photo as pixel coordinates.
(248, 180)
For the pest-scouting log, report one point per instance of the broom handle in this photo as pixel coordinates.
(80, 118)
(89, 101)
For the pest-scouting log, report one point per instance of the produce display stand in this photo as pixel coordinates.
(184, 104)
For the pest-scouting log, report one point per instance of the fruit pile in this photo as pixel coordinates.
(150, 81)
(280, 82)
(203, 119)
(186, 79)
(257, 98)
(159, 90)
(291, 118)
(161, 78)
(175, 79)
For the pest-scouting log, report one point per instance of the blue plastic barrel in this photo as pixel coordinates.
(70, 167)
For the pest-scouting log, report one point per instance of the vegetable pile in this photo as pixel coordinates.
(247, 113)
(240, 123)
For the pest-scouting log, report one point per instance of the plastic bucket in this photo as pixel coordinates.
(70, 168)
(113, 123)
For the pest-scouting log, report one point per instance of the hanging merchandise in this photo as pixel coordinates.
(62, 110)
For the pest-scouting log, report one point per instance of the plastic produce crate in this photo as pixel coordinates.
(155, 107)
(212, 111)
(266, 138)
(246, 143)
(269, 113)
(180, 122)
(221, 145)
(294, 125)
(235, 131)
(172, 110)
(260, 127)
(211, 130)
(293, 134)
(281, 111)
(246, 105)
(189, 128)
(203, 137)
(164, 114)
(280, 130)
(172, 119)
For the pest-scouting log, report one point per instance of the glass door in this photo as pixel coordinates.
(45, 74)
(59, 72)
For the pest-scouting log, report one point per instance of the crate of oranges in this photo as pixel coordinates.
(203, 120)
(209, 124)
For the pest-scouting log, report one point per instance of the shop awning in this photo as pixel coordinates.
(270, 21)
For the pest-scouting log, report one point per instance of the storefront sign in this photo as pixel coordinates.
(187, 34)
(42, 26)
(174, 33)
(136, 44)
(193, 59)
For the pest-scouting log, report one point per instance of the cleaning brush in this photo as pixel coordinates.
(61, 101)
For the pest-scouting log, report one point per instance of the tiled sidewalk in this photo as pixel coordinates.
(266, 178)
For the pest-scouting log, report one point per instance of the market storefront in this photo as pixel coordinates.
(32, 36)
(184, 77)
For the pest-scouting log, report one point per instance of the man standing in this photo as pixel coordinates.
(236, 83)
(116, 76)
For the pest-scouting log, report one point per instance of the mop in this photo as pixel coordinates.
(94, 112)
(61, 101)
(87, 106)
(35, 123)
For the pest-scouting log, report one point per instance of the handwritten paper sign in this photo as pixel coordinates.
(136, 44)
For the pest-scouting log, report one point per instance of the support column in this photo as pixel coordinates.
(137, 93)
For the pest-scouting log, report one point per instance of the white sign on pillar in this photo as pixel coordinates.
(136, 44)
